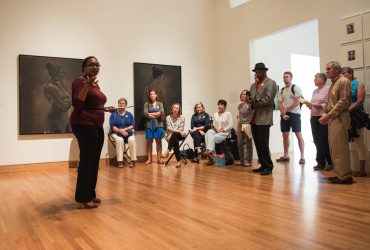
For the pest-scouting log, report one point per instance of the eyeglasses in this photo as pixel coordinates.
(94, 65)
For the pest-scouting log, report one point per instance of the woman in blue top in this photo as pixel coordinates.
(122, 124)
(358, 98)
(153, 111)
(199, 126)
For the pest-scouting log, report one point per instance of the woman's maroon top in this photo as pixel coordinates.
(90, 111)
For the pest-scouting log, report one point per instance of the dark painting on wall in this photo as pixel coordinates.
(45, 93)
(165, 79)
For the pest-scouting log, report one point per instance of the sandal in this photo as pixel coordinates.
(178, 164)
(148, 162)
(282, 159)
(302, 161)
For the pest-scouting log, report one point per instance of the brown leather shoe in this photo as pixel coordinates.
(282, 159)
(348, 180)
(88, 205)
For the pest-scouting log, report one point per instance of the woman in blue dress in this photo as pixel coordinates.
(153, 111)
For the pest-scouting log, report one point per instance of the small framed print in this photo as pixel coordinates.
(352, 56)
(351, 29)
(367, 80)
(366, 23)
(367, 53)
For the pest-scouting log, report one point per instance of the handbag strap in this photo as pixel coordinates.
(188, 147)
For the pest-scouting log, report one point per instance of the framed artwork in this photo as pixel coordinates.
(367, 82)
(164, 79)
(45, 93)
(351, 29)
(366, 22)
(367, 53)
(352, 55)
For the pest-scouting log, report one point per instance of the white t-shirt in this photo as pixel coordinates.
(287, 97)
(223, 120)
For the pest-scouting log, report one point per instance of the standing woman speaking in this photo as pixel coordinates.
(87, 121)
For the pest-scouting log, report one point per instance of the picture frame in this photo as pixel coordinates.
(351, 29)
(366, 25)
(367, 81)
(352, 55)
(45, 101)
(367, 53)
(165, 79)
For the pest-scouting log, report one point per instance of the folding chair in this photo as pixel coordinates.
(182, 142)
(126, 158)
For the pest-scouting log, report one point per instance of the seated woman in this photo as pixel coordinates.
(221, 128)
(175, 132)
(122, 123)
(199, 127)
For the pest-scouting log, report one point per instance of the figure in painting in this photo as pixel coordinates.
(59, 97)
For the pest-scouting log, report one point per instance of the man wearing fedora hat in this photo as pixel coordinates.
(262, 92)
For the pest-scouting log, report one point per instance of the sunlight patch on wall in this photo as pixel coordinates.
(235, 3)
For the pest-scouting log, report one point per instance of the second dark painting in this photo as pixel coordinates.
(164, 79)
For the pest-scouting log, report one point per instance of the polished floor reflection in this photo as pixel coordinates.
(194, 207)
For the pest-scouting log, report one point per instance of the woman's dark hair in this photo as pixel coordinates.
(84, 62)
(247, 94)
(173, 105)
(152, 90)
(156, 72)
(348, 70)
(222, 101)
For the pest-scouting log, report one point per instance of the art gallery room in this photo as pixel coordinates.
(188, 51)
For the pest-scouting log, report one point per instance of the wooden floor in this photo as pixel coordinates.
(195, 207)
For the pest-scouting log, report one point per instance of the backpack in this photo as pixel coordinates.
(292, 89)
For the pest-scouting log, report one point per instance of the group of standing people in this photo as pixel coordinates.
(336, 110)
(330, 122)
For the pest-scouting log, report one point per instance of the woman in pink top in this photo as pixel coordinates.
(319, 131)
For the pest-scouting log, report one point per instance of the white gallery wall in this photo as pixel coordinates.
(259, 18)
(276, 51)
(207, 38)
(118, 32)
